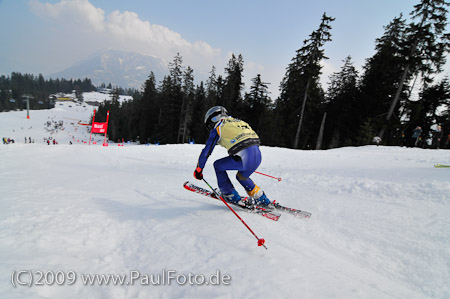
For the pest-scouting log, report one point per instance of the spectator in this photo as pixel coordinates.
(415, 136)
(437, 136)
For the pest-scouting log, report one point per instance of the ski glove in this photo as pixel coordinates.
(198, 173)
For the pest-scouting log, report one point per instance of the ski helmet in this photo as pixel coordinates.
(213, 115)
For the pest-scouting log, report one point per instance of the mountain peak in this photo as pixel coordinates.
(124, 69)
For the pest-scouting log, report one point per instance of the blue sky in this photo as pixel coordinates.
(40, 36)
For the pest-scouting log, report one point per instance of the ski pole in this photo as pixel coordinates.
(279, 179)
(260, 241)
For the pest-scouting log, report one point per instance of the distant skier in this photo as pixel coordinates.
(377, 140)
(415, 137)
(437, 136)
(242, 144)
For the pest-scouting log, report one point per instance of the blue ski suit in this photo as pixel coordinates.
(242, 144)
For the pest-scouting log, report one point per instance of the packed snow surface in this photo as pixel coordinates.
(380, 225)
(98, 97)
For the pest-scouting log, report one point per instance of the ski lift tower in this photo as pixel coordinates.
(28, 104)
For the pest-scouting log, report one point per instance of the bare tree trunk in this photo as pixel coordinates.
(319, 139)
(395, 100)
(335, 139)
(297, 135)
(187, 118)
(180, 125)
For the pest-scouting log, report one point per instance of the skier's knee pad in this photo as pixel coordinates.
(240, 177)
(247, 183)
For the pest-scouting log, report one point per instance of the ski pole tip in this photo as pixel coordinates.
(279, 179)
(261, 242)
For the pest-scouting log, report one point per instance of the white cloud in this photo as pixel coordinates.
(127, 25)
(125, 31)
(253, 67)
(78, 12)
(328, 69)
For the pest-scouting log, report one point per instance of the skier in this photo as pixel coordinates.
(437, 135)
(242, 144)
(415, 137)
(377, 140)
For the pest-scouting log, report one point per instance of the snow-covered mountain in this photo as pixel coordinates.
(124, 69)
(73, 216)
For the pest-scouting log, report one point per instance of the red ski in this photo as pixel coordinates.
(265, 212)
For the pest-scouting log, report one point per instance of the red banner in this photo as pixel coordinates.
(99, 128)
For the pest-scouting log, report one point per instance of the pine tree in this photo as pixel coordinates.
(301, 83)
(196, 126)
(342, 106)
(149, 109)
(231, 95)
(168, 118)
(79, 94)
(186, 106)
(173, 104)
(257, 104)
(380, 77)
(212, 89)
(115, 119)
(176, 71)
(428, 45)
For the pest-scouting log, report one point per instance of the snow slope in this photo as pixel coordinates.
(72, 115)
(380, 226)
(98, 97)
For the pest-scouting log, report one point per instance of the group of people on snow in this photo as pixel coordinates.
(29, 140)
(7, 140)
(50, 140)
(434, 141)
